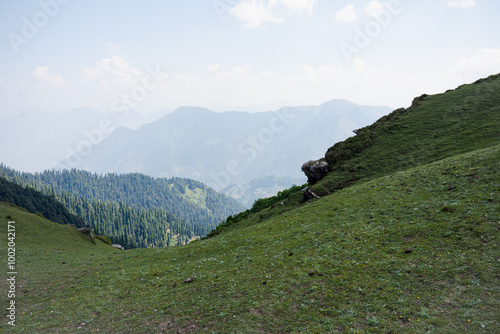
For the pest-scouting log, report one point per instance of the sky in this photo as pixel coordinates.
(251, 55)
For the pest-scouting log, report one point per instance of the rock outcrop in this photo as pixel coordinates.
(315, 170)
(88, 233)
(307, 195)
(416, 101)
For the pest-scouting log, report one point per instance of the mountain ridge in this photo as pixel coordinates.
(232, 147)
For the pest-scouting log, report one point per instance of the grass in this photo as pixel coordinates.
(334, 265)
(197, 196)
(435, 127)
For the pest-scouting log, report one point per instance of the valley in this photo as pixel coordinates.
(335, 265)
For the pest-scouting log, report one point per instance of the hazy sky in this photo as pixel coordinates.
(239, 55)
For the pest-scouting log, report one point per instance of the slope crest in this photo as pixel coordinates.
(433, 128)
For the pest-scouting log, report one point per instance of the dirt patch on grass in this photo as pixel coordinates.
(255, 311)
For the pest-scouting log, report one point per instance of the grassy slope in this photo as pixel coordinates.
(197, 196)
(434, 128)
(48, 256)
(448, 212)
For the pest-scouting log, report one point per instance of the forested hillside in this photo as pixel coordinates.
(35, 202)
(134, 209)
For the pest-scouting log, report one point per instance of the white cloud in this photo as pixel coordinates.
(213, 67)
(359, 64)
(238, 71)
(256, 13)
(242, 70)
(295, 6)
(375, 8)
(484, 62)
(187, 79)
(347, 14)
(42, 73)
(321, 74)
(461, 3)
(112, 48)
(115, 66)
(114, 71)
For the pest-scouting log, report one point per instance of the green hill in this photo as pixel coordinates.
(435, 127)
(335, 265)
(36, 202)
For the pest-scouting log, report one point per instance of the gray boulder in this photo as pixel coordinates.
(315, 170)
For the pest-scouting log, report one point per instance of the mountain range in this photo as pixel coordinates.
(229, 151)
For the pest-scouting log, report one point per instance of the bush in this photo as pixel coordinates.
(259, 205)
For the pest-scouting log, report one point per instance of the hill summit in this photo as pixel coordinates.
(433, 128)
